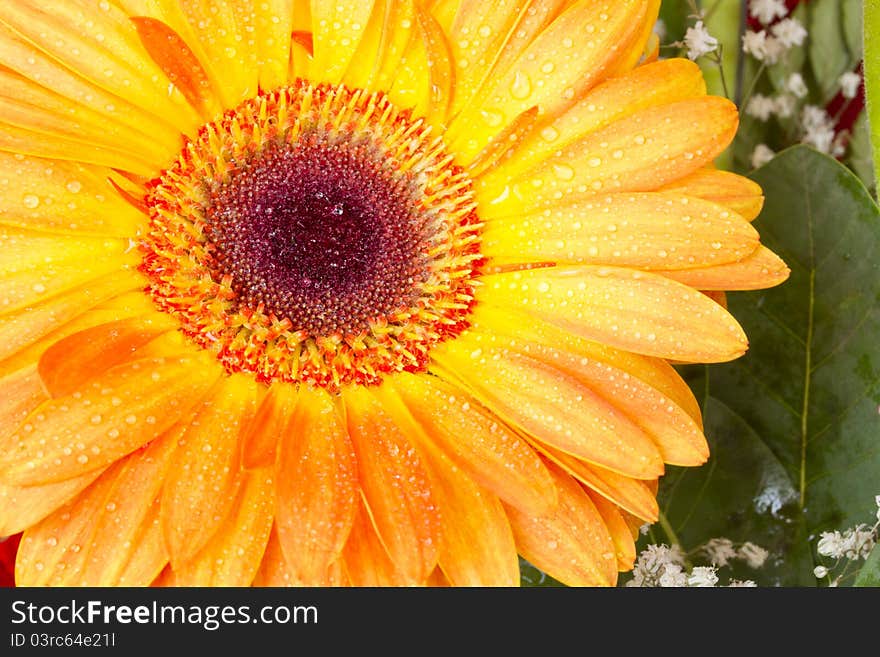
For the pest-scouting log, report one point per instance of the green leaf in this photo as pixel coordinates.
(872, 75)
(859, 158)
(869, 575)
(794, 423)
(829, 57)
(852, 26)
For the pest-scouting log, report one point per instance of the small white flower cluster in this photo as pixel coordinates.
(818, 131)
(766, 11)
(664, 566)
(852, 544)
(763, 107)
(768, 46)
(699, 42)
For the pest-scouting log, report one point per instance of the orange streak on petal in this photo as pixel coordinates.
(75, 360)
(198, 495)
(20, 393)
(738, 193)
(552, 406)
(395, 486)
(571, 543)
(316, 492)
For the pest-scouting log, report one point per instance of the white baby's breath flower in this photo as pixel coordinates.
(699, 42)
(761, 46)
(673, 576)
(796, 85)
(858, 542)
(783, 105)
(818, 128)
(719, 551)
(753, 555)
(830, 544)
(820, 571)
(702, 576)
(760, 106)
(767, 10)
(877, 500)
(761, 155)
(789, 32)
(655, 562)
(734, 583)
(849, 84)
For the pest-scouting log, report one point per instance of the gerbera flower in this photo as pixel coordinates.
(368, 293)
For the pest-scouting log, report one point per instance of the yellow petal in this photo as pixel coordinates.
(634, 495)
(641, 230)
(647, 86)
(338, 28)
(104, 420)
(639, 152)
(38, 188)
(549, 404)
(109, 54)
(316, 488)
(197, 497)
(22, 328)
(572, 54)
(631, 310)
(395, 486)
(570, 543)
(473, 438)
(233, 555)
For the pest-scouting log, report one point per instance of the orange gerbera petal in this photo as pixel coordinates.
(469, 434)
(338, 29)
(621, 536)
(94, 539)
(22, 328)
(572, 543)
(738, 193)
(754, 272)
(395, 486)
(366, 561)
(24, 506)
(550, 404)
(259, 442)
(476, 542)
(106, 419)
(316, 488)
(233, 555)
(197, 498)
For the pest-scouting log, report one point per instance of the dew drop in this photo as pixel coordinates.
(521, 87)
(31, 201)
(549, 133)
(563, 171)
(492, 118)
